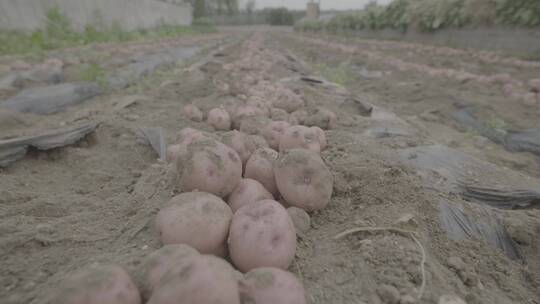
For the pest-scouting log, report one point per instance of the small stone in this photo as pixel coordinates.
(388, 294)
(451, 299)
(407, 299)
(456, 263)
(144, 247)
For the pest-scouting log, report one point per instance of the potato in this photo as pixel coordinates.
(255, 142)
(248, 191)
(173, 151)
(188, 135)
(323, 118)
(219, 119)
(271, 285)
(321, 135)
(260, 167)
(258, 102)
(236, 140)
(206, 279)
(193, 113)
(300, 137)
(97, 285)
(243, 112)
(273, 133)
(303, 179)
(253, 125)
(209, 166)
(262, 235)
(300, 219)
(300, 116)
(156, 265)
(279, 115)
(200, 220)
(287, 100)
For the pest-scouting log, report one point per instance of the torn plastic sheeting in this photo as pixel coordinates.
(483, 227)
(475, 180)
(156, 139)
(386, 124)
(14, 149)
(525, 141)
(51, 99)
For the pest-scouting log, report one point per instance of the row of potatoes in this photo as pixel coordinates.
(235, 189)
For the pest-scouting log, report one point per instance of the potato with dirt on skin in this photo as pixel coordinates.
(273, 132)
(198, 219)
(303, 179)
(248, 191)
(209, 166)
(204, 280)
(97, 285)
(260, 167)
(322, 118)
(245, 111)
(287, 100)
(300, 116)
(219, 119)
(269, 285)
(262, 235)
(253, 125)
(236, 140)
(321, 135)
(300, 218)
(156, 265)
(300, 137)
(193, 113)
(279, 114)
(184, 139)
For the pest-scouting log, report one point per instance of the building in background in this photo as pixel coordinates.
(313, 10)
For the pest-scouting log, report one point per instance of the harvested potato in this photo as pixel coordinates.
(193, 113)
(260, 167)
(300, 116)
(287, 100)
(323, 118)
(253, 125)
(209, 166)
(262, 235)
(271, 285)
(321, 135)
(206, 279)
(248, 191)
(156, 265)
(173, 151)
(279, 114)
(97, 285)
(243, 112)
(255, 142)
(219, 119)
(297, 137)
(200, 220)
(188, 135)
(255, 101)
(273, 133)
(300, 219)
(236, 140)
(303, 179)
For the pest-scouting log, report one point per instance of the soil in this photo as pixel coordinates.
(95, 201)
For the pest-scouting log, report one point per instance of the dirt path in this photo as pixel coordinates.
(94, 202)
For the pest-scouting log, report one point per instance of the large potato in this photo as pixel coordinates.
(300, 137)
(300, 116)
(200, 220)
(205, 280)
(271, 285)
(193, 113)
(279, 114)
(237, 141)
(97, 285)
(300, 219)
(248, 191)
(219, 119)
(287, 100)
(254, 143)
(303, 179)
(156, 265)
(243, 112)
(260, 167)
(274, 131)
(209, 166)
(253, 125)
(323, 118)
(262, 235)
(185, 138)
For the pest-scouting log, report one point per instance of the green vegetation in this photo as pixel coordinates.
(432, 15)
(93, 73)
(59, 33)
(279, 16)
(339, 74)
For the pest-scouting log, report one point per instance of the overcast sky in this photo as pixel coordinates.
(301, 4)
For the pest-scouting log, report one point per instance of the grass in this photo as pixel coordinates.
(93, 73)
(338, 74)
(58, 33)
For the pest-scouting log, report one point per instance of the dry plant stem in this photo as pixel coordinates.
(404, 232)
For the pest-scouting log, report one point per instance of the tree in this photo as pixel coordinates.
(199, 9)
(250, 7)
